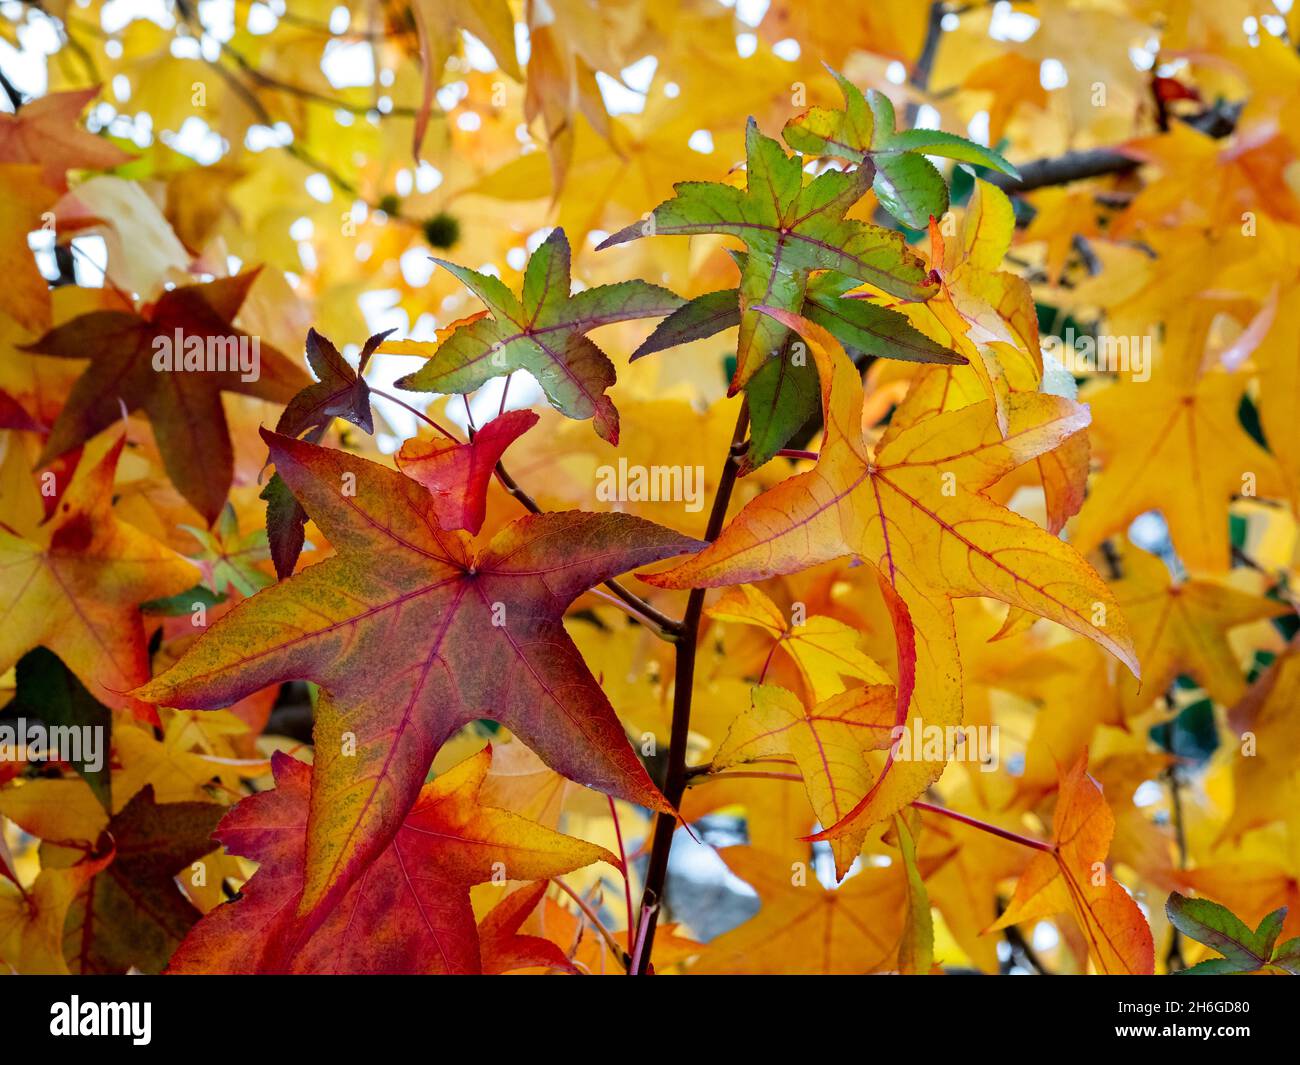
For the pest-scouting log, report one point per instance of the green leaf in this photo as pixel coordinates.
(543, 333)
(49, 691)
(1212, 967)
(782, 396)
(1287, 956)
(910, 188)
(228, 559)
(845, 134)
(950, 146)
(286, 523)
(907, 184)
(916, 950)
(789, 229)
(1218, 927)
(695, 320)
(875, 330)
(175, 606)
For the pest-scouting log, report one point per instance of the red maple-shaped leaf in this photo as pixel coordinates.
(413, 631)
(458, 474)
(45, 132)
(411, 912)
(183, 404)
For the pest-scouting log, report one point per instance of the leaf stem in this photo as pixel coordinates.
(683, 683)
(595, 921)
(668, 628)
(984, 826)
(627, 876)
(747, 774)
(418, 413)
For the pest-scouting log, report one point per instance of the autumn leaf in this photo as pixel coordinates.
(132, 915)
(824, 650)
(805, 928)
(75, 587)
(45, 132)
(457, 475)
(24, 206)
(182, 401)
(1180, 627)
(338, 392)
(469, 631)
(929, 543)
(31, 920)
(1180, 419)
(916, 948)
(501, 946)
(1072, 877)
(544, 332)
(413, 902)
(829, 743)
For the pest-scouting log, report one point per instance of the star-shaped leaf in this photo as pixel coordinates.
(907, 184)
(413, 902)
(824, 650)
(132, 915)
(1181, 627)
(828, 743)
(183, 405)
(789, 229)
(45, 131)
(76, 584)
(338, 391)
(1072, 878)
(468, 631)
(544, 332)
(1178, 419)
(228, 558)
(806, 929)
(916, 510)
(457, 475)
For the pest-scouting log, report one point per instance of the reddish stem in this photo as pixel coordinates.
(622, 857)
(984, 826)
(418, 413)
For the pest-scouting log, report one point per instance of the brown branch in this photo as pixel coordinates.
(1215, 122)
(683, 683)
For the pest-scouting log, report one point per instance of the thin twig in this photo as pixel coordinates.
(627, 876)
(984, 826)
(594, 921)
